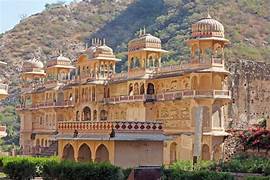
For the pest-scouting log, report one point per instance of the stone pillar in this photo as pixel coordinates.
(198, 133)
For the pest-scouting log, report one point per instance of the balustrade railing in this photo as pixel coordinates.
(109, 125)
(171, 96)
(46, 105)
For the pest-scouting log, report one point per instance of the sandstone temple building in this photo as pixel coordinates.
(83, 110)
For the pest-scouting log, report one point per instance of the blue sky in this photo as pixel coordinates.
(11, 11)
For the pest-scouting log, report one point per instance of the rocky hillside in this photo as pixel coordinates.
(68, 27)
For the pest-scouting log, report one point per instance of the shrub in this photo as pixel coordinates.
(187, 165)
(70, 170)
(258, 178)
(19, 169)
(24, 167)
(244, 164)
(266, 169)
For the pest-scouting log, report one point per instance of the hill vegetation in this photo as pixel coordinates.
(68, 28)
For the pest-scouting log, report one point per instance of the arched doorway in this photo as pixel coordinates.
(102, 154)
(173, 152)
(205, 152)
(84, 154)
(217, 153)
(86, 114)
(68, 152)
(150, 88)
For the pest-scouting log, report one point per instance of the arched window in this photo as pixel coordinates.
(130, 89)
(84, 153)
(136, 89)
(108, 92)
(86, 114)
(151, 61)
(103, 115)
(93, 94)
(37, 143)
(111, 67)
(68, 152)
(207, 55)
(142, 88)
(136, 63)
(95, 115)
(150, 88)
(102, 154)
(131, 65)
(156, 63)
(77, 115)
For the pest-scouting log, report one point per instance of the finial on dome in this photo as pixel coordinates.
(208, 13)
(144, 30)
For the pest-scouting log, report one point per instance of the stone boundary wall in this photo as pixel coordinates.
(250, 86)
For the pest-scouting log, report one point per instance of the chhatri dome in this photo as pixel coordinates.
(207, 27)
(145, 41)
(62, 58)
(32, 64)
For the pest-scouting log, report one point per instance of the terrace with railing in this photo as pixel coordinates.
(174, 95)
(107, 126)
(193, 65)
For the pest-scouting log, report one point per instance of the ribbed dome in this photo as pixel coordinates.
(33, 63)
(144, 41)
(104, 49)
(208, 27)
(147, 38)
(62, 58)
(150, 39)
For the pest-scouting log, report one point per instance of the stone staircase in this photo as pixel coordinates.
(49, 151)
